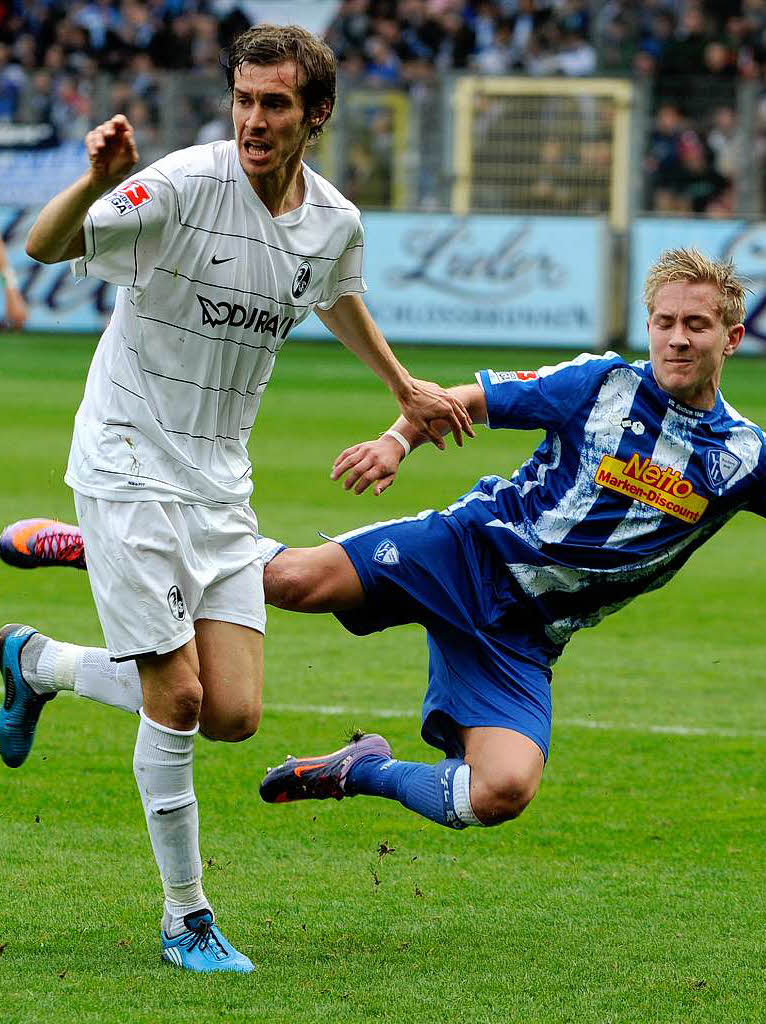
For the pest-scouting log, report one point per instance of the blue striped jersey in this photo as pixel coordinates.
(626, 484)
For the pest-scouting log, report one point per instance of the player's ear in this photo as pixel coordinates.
(320, 113)
(736, 334)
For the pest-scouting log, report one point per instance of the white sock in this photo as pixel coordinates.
(108, 682)
(163, 767)
(49, 666)
(461, 796)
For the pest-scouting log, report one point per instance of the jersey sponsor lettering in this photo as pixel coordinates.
(260, 321)
(660, 487)
(132, 195)
(500, 377)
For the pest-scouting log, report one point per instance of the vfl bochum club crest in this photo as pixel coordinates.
(386, 553)
(721, 466)
(302, 279)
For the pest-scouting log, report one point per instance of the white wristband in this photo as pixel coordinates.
(9, 277)
(400, 438)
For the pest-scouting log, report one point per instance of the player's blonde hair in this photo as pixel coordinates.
(272, 44)
(691, 265)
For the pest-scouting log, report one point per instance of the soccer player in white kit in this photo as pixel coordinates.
(219, 250)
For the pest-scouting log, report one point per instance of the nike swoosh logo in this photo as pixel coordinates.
(216, 261)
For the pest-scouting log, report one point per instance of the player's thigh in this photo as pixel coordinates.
(506, 769)
(231, 672)
(143, 574)
(318, 579)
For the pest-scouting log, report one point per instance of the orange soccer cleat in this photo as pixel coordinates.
(34, 543)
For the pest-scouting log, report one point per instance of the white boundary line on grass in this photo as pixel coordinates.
(342, 711)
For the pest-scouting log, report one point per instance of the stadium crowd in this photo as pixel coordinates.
(53, 54)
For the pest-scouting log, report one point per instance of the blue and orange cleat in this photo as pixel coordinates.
(21, 705)
(320, 778)
(33, 543)
(202, 948)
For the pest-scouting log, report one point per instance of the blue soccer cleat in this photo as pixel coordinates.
(21, 705)
(33, 543)
(202, 948)
(320, 778)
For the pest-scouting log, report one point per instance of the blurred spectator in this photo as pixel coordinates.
(577, 56)
(52, 53)
(12, 80)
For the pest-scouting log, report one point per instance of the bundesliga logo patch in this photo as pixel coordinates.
(132, 195)
(386, 553)
(662, 488)
(502, 376)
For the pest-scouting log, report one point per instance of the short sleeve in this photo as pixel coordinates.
(126, 231)
(544, 398)
(346, 275)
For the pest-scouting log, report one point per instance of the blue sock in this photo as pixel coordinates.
(423, 788)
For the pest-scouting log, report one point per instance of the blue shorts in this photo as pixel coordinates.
(487, 660)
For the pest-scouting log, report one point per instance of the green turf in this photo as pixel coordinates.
(630, 891)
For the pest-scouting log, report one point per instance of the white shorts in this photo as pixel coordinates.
(156, 567)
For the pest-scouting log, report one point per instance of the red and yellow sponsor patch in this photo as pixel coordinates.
(662, 488)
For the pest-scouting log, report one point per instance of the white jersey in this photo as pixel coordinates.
(210, 287)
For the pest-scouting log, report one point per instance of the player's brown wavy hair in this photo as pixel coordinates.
(691, 265)
(264, 45)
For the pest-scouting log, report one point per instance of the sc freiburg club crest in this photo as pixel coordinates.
(302, 279)
(176, 603)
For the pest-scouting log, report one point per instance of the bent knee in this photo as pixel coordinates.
(231, 726)
(501, 797)
(285, 583)
(182, 704)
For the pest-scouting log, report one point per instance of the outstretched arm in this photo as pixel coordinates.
(422, 402)
(377, 462)
(57, 234)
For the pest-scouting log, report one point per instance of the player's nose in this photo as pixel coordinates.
(256, 119)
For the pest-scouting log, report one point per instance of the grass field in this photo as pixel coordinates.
(631, 890)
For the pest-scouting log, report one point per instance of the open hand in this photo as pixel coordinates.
(371, 462)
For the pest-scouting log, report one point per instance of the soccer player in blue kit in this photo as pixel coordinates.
(641, 463)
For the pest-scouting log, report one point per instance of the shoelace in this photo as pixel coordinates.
(202, 935)
(54, 544)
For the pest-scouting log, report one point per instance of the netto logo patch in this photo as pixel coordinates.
(302, 279)
(176, 603)
(659, 486)
(261, 321)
